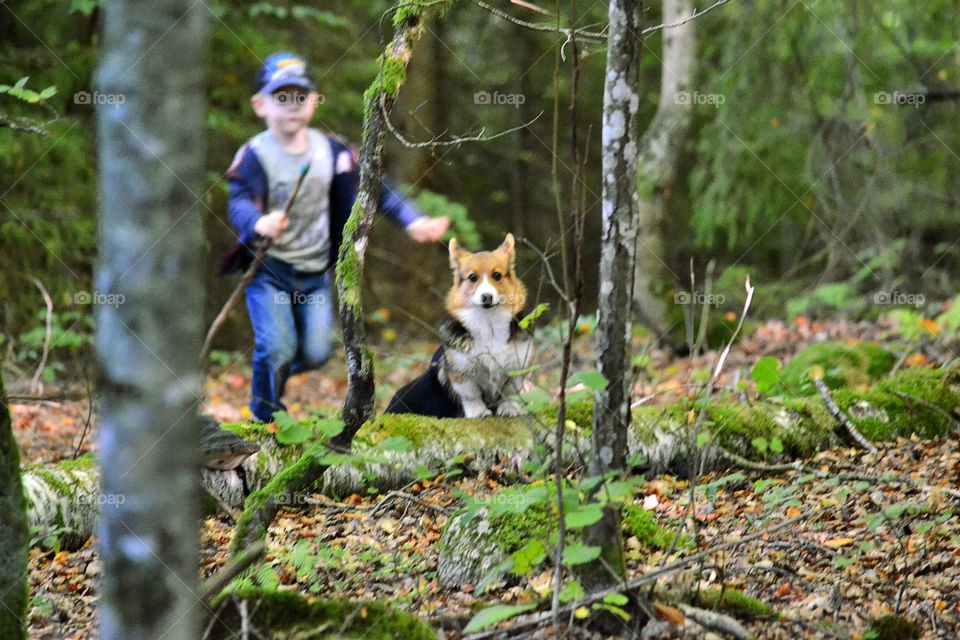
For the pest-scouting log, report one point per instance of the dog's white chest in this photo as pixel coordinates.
(492, 354)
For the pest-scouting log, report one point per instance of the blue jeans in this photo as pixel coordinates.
(292, 317)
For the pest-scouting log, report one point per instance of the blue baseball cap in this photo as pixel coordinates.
(283, 70)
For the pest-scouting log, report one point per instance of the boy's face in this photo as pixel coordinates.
(287, 110)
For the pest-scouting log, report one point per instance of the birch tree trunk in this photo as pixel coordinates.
(14, 537)
(660, 151)
(611, 418)
(150, 329)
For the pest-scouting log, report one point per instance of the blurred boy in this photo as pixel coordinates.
(289, 300)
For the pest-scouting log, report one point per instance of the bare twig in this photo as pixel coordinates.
(573, 311)
(402, 495)
(739, 460)
(89, 418)
(716, 621)
(545, 260)
(597, 36)
(217, 583)
(35, 385)
(841, 417)
(679, 23)
(452, 142)
(24, 125)
(68, 397)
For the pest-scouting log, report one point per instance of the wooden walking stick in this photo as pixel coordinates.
(251, 270)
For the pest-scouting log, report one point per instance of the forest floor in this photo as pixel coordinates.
(827, 575)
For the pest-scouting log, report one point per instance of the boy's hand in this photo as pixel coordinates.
(272, 224)
(428, 229)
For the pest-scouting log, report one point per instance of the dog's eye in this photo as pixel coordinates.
(473, 277)
(497, 276)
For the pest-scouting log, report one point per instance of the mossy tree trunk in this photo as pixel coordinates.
(14, 535)
(619, 149)
(358, 406)
(151, 172)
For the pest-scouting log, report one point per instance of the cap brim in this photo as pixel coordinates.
(279, 83)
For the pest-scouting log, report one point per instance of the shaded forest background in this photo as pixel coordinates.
(823, 158)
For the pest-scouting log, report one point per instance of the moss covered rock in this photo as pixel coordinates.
(640, 523)
(732, 601)
(894, 628)
(289, 616)
(843, 365)
(472, 545)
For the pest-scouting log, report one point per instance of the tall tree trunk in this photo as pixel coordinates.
(150, 316)
(619, 143)
(14, 537)
(660, 150)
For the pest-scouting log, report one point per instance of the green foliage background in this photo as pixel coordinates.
(796, 171)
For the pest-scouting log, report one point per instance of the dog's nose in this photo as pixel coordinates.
(486, 299)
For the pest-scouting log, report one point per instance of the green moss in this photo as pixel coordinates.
(511, 531)
(639, 522)
(424, 430)
(894, 628)
(302, 618)
(901, 406)
(245, 429)
(851, 366)
(257, 500)
(579, 411)
(732, 601)
(48, 476)
(408, 12)
(349, 268)
(85, 462)
(392, 74)
(736, 426)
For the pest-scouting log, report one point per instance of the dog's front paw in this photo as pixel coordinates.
(509, 409)
(476, 410)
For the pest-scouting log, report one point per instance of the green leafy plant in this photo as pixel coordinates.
(19, 90)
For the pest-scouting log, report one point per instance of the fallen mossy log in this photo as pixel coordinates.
(62, 501)
(921, 402)
(63, 498)
(286, 614)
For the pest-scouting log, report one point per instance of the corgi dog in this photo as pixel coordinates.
(482, 342)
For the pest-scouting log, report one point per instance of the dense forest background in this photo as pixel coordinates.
(823, 157)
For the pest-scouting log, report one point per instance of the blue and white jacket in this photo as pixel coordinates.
(261, 178)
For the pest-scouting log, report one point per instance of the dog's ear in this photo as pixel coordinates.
(508, 248)
(454, 255)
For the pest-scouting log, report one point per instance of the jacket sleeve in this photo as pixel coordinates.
(248, 193)
(396, 207)
(346, 181)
